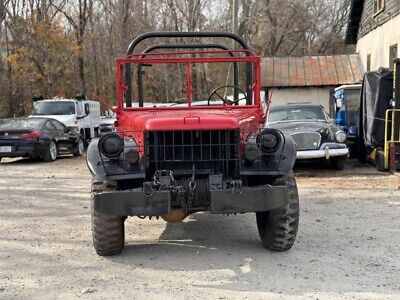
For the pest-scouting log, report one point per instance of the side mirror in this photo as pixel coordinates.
(87, 109)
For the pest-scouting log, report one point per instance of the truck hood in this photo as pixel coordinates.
(186, 119)
(67, 120)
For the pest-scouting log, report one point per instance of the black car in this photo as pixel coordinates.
(38, 138)
(316, 136)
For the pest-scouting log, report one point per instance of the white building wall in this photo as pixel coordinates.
(300, 96)
(378, 42)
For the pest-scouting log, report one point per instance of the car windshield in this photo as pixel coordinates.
(54, 108)
(291, 114)
(21, 123)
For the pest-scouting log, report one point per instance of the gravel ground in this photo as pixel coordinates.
(347, 246)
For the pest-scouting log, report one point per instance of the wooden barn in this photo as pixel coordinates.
(308, 79)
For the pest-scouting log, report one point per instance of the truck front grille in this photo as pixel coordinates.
(307, 140)
(215, 151)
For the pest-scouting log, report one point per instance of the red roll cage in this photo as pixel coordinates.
(188, 58)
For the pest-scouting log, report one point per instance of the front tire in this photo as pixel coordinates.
(108, 231)
(380, 161)
(337, 163)
(51, 152)
(80, 148)
(278, 227)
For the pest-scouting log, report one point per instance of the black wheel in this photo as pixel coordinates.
(380, 161)
(353, 149)
(79, 148)
(51, 152)
(361, 150)
(337, 163)
(108, 231)
(278, 227)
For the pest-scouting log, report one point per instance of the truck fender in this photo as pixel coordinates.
(94, 161)
(288, 154)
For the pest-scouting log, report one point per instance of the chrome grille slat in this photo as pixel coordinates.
(307, 140)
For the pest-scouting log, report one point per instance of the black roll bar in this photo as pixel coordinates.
(184, 46)
(171, 34)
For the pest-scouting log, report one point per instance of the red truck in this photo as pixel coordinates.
(206, 151)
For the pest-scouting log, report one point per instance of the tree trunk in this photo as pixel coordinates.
(81, 68)
(10, 82)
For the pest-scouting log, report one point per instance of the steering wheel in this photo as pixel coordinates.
(225, 100)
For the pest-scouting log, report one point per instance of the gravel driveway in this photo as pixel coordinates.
(347, 247)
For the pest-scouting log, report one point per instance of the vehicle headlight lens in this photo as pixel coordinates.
(131, 150)
(268, 141)
(340, 136)
(73, 129)
(111, 144)
(132, 156)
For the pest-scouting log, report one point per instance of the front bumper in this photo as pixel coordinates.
(326, 151)
(136, 203)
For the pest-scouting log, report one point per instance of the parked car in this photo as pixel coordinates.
(107, 125)
(38, 137)
(316, 136)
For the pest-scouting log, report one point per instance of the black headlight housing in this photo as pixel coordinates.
(111, 145)
(269, 140)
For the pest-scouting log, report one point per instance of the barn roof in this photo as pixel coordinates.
(330, 70)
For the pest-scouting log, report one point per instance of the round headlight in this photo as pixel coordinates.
(268, 141)
(340, 136)
(111, 144)
(132, 156)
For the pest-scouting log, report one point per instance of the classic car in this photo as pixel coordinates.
(316, 136)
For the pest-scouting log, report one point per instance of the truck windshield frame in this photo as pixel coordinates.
(188, 59)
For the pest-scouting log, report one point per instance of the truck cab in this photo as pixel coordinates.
(80, 114)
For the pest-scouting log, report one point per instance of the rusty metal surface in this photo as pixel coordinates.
(328, 70)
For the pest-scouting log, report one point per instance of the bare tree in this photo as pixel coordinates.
(78, 19)
(53, 47)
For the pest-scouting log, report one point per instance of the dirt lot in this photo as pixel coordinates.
(347, 247)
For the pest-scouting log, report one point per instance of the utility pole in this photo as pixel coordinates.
(234, 28)
(235, 12)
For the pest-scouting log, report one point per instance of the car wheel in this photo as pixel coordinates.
(380, 161)
(337, 163)
(278, 227)
(51, 152)
(108, 231)
(80, 148)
